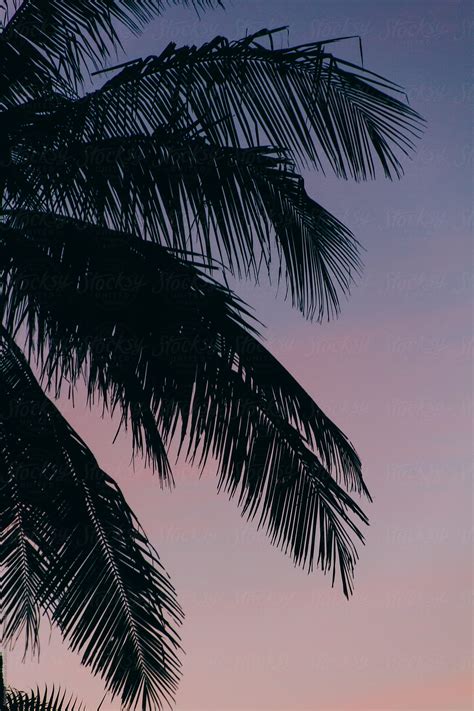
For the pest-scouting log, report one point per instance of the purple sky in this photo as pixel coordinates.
(394, 372)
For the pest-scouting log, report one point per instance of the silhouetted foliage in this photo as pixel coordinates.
(122, 210)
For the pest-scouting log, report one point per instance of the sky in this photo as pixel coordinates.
(395, 373)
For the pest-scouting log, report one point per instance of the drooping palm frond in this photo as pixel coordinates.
(174, 351)
(160, 147)
(73, 546)
(241, 205)
(245, 93)
(36, 700)
(75, 34)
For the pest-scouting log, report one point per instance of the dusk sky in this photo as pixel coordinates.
(394, 372)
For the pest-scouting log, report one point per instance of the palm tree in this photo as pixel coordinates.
(122, 210)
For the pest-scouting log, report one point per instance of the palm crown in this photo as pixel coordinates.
(121, 208)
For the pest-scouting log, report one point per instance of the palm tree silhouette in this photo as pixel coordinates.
(122, 209)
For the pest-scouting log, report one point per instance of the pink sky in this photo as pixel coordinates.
(394, 372)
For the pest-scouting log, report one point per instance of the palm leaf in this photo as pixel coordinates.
(119, 155)
(53, 700)
(245, 93)
(195, 367)
(74, 34)
(25, 73)
(234, 203)
(97, 576)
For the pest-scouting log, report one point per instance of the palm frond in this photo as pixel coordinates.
(25, 73)
(322, 108)
(36, 700)
(97, 577)
(235, 204)
(76, 34)
(157, 148)
(178, 347)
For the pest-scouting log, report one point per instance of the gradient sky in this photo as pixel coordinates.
(394, 372)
